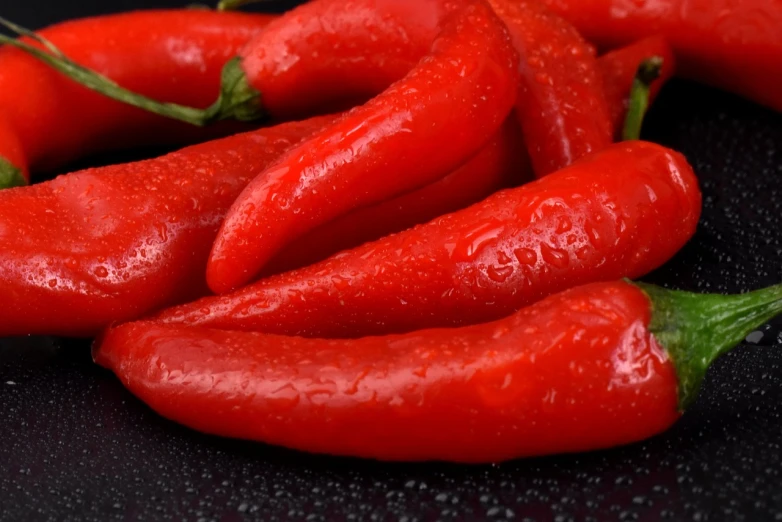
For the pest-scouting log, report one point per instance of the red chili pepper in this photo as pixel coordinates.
(593, 367)
(618, 69)
(502, 163)
(328, 55)
(499, 165)
(560, 105)
(412, 134)
(114, 243)
(733, 44)
(172, 55)
(619, 213)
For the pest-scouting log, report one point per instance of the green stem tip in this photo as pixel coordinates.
(696, 329)
(230, 5)
(10, 176)
(238, 99)
(649, 70)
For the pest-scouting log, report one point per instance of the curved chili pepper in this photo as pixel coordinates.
(620, 213)
(731, 44)
(560, 105)
(174, 55)
(592, 367)
(112, 244)
(459, 95)
(499, 165)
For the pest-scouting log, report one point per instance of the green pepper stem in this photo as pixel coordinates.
(697, 329)
(10, 176)
(230, 5)
(647, 73)
(238, 100)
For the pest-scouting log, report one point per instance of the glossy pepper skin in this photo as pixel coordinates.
(329, 55)
(619, 213)
(560, 104)
(458, 95)
(47, 120)
(732, 44)
(501, 164)
(592, 367)
(111, 244)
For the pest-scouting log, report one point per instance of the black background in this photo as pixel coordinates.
(75, 446)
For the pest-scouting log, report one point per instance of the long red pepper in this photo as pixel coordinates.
(501, 164)
(111, 244)
(620, 213)
(417, 130)
(733, 44)
(592, 367)
(478, 179)
(174, 56)
(560, 105)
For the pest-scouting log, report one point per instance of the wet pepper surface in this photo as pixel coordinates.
(542, 500)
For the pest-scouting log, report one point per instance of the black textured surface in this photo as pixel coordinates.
(75, 446)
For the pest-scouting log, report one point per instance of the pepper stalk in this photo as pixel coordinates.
(237, 100)
(697, 329)
(648, 71)
(230, 5)
(10, 176)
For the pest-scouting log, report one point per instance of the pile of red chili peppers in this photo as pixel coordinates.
(419, 245)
